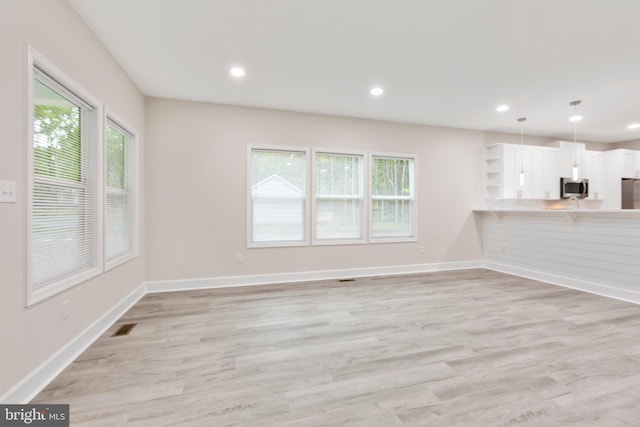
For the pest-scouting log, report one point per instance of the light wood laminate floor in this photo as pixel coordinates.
(459, 348)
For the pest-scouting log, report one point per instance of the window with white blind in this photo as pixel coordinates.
(277, 197)
(64, 208)
(338, 197)
(120, 184)
(392, 198)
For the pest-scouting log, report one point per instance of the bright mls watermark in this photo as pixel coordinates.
(34, 415)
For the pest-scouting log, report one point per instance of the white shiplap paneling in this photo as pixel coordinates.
(595, 252)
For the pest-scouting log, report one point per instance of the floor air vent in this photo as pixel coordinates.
(124, 329)
(346, 280)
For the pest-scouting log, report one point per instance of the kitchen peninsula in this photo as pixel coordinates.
(529, 230)
(593, 250)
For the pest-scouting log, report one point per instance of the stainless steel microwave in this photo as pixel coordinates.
(570, 188)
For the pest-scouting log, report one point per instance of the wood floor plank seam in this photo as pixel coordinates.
(460, 348)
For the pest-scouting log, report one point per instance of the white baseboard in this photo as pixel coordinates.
(33, 383)
(567, 282)
(304, 276)
(37, 380)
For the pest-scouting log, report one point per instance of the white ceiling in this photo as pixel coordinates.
(441, 62)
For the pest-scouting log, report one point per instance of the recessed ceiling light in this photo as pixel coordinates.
(575, 118)
(634, 126)
(237, 72)
(377, 91)
(502, 108)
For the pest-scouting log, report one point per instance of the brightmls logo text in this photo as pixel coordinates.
(27, 416)
(34, 415)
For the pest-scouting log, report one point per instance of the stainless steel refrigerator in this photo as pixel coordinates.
(630, 193)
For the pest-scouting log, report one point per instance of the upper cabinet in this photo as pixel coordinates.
(594, 171)
(630, 163)
(514, 171)
(623, 164)
(569, 155)
(619, 164)
(546, 178)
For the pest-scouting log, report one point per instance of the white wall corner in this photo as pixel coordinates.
(38, 379)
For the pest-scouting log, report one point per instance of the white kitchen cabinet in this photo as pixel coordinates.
(630, 164)
(623, 163)
(570, 154)
(594, 171)
(545, 174)
(504, 165)
(517, 159)
(620, 163)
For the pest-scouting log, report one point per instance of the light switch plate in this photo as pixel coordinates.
(7, 191)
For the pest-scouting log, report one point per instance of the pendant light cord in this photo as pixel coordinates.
(521, 120)
(575, 139)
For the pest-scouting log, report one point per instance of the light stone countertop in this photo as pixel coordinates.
(567, 211)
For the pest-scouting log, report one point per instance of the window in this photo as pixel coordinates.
(63, 210)
(120, 215)
(392, 198)
(339, 196)
(278, 197)
(345, 187)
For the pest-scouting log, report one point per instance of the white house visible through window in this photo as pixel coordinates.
(338, 196)
(392, 197)
(119, 185)
(278, 196)
(63, 198)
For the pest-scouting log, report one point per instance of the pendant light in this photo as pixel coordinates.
(575, 172)
(521, 120)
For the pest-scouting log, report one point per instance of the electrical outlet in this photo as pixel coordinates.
(7, 191)
(422, 249)
(239, 257)
(65, 310)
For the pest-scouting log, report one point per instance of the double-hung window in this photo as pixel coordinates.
(64, 224)
(339, 197)
(355, 197)
(120, 194)
(278, 197)
(392, 198)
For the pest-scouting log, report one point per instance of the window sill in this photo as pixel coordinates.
(335, 242)
(48, 291)
(393, 239)
(119, 260)
(257, 245)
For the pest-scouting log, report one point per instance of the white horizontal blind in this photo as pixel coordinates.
(392, 197)
(118, 216)
(338, 196)
(278, 196)
(62, 222)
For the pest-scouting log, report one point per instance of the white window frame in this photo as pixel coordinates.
(306, 216)
(364, 170)
(94, 143)
(132, 160)
(413, 197)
